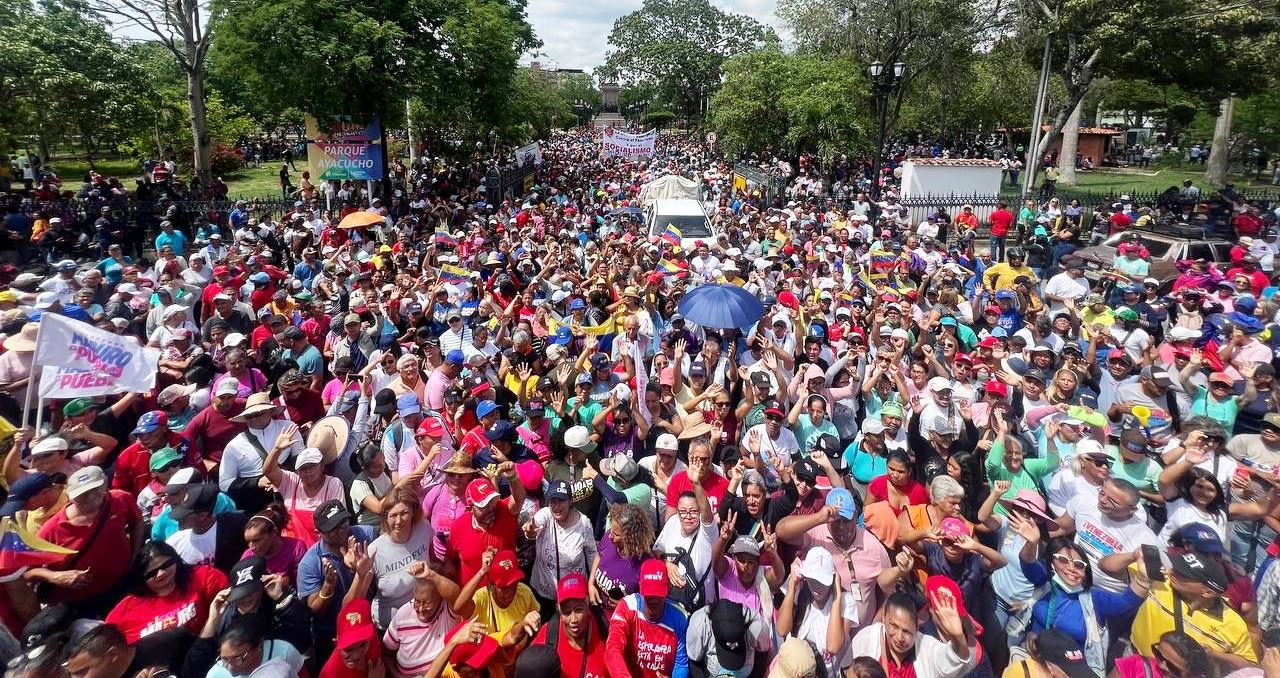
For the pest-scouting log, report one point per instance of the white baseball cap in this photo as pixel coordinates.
(666, 441)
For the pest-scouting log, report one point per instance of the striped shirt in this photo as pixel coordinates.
(417, 643)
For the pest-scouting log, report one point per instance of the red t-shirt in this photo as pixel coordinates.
(571, 657)
(259, 334)
(137, 616)
(1120, 221)
(878, 488)
(213, 430)
(306, 408)
(467, 542)
(107, 556)
(714, 484)
(1000, 222)
(133, 466)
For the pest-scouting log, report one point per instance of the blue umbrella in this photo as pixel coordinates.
(721, 306)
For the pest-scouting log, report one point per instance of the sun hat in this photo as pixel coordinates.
(24, 341)
(256, 404)
(50, 445)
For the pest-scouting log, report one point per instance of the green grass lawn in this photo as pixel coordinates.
(1144, 181)
(250, 182)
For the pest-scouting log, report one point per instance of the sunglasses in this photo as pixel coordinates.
(1100, 463)
(722, 403)
(1064, 561)
(155, 571)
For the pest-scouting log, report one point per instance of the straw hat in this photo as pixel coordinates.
(256, 404)
(460, 462)
(695, 426)
(329, 435)
(24, 341)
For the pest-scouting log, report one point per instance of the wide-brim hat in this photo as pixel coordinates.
(25, 340)
(460, 462)
(256, 404)
(695, 426)
(329, 435)
(1031, 502)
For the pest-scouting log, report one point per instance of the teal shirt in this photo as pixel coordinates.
(588, 411)
(1030, 475)
(1222, 411)
(807, 433)
(865, 465)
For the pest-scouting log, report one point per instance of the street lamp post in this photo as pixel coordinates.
(883, 84)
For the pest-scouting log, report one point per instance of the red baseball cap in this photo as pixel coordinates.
(355, 624)
(1118, 354)
(221, 270)
(938, 582)
(1221, 378)
(989, 342)
(572, 586)
(996, 387)
(653, 578)
(963, 358)
(474, 655)
(480, 492)
(430, 426)
(505, 571)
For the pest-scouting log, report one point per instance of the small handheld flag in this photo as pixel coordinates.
(19, 550)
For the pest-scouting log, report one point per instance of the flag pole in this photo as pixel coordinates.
(31, 380)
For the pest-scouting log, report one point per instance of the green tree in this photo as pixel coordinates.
(65, 80)
(185, 28)
(805, 103)
(680, 46)
(456, 58)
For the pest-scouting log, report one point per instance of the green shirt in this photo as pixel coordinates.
(1030, 476)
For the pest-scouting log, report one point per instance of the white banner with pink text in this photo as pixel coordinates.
(79, 359)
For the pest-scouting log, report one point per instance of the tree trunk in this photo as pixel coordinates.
(1097, 114)
(1215, 173)
(199, 126)
(1070, 142)
(1078, 75)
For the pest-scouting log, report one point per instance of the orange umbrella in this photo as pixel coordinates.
(360, 219)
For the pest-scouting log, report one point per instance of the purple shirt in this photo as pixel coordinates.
(611, 443)
(436, 385)
(616, 571)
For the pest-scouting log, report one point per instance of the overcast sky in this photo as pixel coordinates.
(575, 33)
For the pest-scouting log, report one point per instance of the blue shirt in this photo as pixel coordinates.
(1060, 610)
(305, 273)
(177, 240)
(310, 362)
(311, 577)
(864, 464)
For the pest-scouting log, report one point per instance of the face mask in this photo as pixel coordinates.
(1057, 580)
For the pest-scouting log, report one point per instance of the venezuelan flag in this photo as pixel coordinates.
(20, 550)
(668, 267)
(672, 235)
(444, 237)
(453, 274)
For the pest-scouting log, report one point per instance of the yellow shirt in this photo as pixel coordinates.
(1089, 318)
(1004, 275)
(1024, 669)
(1218, 628)
(500, 620)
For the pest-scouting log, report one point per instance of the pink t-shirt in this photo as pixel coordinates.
(295, 497)
(285, 561)
(444, 509)
(333, 389)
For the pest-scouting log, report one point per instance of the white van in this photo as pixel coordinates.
(685, 215)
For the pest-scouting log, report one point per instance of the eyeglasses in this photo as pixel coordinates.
(155, 571)
(238, 658)
(1064, 561)
(687, 513)
(1108, 499)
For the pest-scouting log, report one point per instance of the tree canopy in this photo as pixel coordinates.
(680, 47)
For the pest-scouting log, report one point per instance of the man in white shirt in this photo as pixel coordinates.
(240, 474)
(1065, 288)
(1111, 524)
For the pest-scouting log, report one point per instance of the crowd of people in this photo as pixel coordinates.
(480, 437)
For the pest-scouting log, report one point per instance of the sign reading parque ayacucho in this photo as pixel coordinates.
(341, 148)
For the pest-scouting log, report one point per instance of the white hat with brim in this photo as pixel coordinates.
(25, 340)
(578, 437)
(329, 435)
(85, 479)
(258, 403)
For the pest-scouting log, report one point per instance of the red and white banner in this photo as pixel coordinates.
(628, 145)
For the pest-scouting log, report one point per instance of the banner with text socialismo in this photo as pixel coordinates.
(613, 142)
(79, 359)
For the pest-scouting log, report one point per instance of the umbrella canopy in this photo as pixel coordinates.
(721, 306)
(360, 219)
(628, 210)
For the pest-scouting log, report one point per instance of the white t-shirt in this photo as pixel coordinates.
(195, 549)
(786, 446)
(1182, 512)
(1066, 485)
(813, 628)
(576, 545)
(1063, 285)
(1098, 536)
(698, 545)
